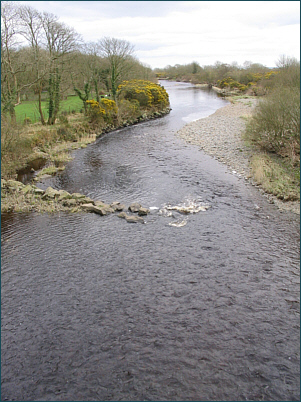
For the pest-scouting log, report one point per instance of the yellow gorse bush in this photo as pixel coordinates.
(251, 80)
(108, 105)
(105, 109)
(95, 107)
(147, 93)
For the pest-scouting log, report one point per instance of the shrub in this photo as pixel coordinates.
(129, 109)
(63, 119)
(103, 111)
(65, 134)
(147, 93)
(14, 147)
(275, 125)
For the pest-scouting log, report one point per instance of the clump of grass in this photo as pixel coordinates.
(60, 157)
(51, 170)
(17, 202)
(276, 177)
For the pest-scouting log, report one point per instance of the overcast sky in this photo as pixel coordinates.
(179, 32)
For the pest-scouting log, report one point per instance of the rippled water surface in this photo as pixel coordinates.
(95, 308)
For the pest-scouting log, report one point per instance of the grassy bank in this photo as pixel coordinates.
(20, 145)
(274, 134)
(276, 176)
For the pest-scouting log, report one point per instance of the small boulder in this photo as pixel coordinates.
(99, 203)
(64, 195)
(88, 207)
(77, 196)
(98, 210)
(88, 200)
(134, 207)
(108, 209)
(117, 206)
(105, 207)
(143, 211)
(51, 193)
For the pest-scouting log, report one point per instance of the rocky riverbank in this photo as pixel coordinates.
(18, 197)
(220, 135)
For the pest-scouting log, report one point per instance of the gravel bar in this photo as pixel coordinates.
(220, 136)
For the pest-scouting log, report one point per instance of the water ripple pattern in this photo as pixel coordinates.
(95, 308)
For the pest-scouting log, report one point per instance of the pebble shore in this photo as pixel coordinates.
(220, 136)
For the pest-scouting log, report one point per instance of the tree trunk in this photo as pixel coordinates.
(40, 106)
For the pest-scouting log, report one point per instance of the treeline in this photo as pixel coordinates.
(44, 58)
(251, 78)
(275, 125)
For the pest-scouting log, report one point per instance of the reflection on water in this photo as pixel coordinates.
(95, 308)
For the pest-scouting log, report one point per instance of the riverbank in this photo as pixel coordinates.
(221, 136)
(34, 146)
(51, 151)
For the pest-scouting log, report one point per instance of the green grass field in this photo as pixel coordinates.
(29, 109)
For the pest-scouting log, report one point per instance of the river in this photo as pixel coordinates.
(202, 306)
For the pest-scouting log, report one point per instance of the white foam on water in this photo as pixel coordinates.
(178, 224)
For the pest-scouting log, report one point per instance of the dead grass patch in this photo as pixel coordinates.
(276, 177)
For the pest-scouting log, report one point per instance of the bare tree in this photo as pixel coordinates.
(31, 30)
(60, 42)
(117, 51)
(10, 64)
(50, 42)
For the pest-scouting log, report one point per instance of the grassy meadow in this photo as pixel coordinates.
(29, 109)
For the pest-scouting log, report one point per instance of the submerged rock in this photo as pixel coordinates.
(97, 209)
(131, 218)
(134, 219)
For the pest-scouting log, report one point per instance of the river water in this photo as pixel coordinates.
(202, 306)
